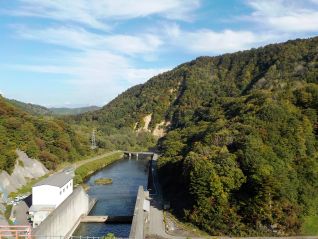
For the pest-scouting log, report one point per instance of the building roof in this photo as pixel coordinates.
(57, 180)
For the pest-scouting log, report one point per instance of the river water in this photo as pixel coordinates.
(116, 199)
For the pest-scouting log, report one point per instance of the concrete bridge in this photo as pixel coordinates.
(130, 154)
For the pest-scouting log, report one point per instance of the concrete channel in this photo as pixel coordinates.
(64, 220)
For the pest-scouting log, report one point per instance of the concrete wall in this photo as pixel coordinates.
(62, 220)
(137, 225)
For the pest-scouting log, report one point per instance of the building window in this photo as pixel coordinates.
(63, 190)
(60, 192)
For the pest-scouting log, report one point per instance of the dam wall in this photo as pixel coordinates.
(65, 218)
(139, 217)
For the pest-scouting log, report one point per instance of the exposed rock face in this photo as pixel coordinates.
(27, 168)
(160, 129)
(147, 120)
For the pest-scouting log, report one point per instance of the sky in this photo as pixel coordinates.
(75, 53)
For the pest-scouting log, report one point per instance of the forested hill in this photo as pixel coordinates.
(50, 140)
(54, 111)
(73, 111)
(30, 108)
(240, 157)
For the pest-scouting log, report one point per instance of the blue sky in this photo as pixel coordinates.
(86, 52)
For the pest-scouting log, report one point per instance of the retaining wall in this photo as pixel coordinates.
(137, 225)
(65, 217)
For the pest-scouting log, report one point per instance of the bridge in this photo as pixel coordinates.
(136, 154)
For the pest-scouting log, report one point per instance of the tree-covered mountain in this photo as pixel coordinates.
(73, 111)
(30, 108)
(45, 138)
(240, 156)
(55, 111)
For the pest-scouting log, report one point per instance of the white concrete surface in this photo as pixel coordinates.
(65, 216)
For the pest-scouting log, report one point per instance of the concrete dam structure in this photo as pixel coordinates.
(66, 217)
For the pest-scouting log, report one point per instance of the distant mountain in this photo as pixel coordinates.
(240, 151)
(41, 110)
(31, 108)
(73, 111)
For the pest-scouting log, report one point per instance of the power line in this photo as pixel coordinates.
(93, 140)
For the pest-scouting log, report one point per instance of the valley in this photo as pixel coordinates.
(237, 136)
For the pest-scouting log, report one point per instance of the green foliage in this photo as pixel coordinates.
(309, 227)
(27, 188)
(73, 111)
(241, 154)
(109, 236)
(84, 171)
(7, 212)
(41, 110)
(50, 140)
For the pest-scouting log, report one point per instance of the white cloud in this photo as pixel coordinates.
(206, 41)
(96, 76)
(93, 13)
(292, 16)
(81, 39)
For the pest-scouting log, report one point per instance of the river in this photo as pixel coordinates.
(116, 199)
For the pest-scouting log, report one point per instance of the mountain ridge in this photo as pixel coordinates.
(57, 111)
(240, 153)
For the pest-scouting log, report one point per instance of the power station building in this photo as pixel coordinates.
(48, 194)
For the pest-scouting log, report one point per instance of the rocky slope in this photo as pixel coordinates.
(24, 170)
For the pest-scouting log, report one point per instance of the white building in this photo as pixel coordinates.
(49, 194)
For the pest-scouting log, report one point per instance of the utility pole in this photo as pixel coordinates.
(93, 140)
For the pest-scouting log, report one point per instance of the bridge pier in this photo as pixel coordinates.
(136, 154)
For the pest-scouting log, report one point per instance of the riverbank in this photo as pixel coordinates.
(116, 199)
(26, 188)
(90, 167)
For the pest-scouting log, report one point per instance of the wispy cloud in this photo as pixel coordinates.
(106, 46)
(285, 15)
(81, 39)
(93, 13)
(207, 41)
(95, 75)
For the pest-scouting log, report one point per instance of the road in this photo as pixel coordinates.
(20, 211)
(82, 162)
(156, 217)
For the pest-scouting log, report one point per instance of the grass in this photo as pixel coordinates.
(310, 226)
(20, 163)
(86, 170)
(7, 213)
(94, 154)
(27, 188)
(103, 181)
